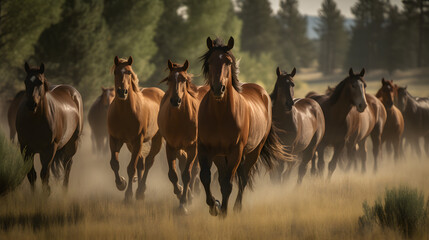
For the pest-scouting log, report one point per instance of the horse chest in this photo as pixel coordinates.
(36, 134)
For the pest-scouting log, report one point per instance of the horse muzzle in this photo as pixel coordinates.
(122, 93)
(361, 107)
(175, 101)
(218, 92)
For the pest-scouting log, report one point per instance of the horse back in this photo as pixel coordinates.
(97, 116)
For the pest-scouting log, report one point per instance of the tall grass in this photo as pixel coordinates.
(403, 210)
(13, 169)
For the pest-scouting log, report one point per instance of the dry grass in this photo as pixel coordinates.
(93, 208)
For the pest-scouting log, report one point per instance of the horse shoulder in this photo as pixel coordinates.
(153, 93)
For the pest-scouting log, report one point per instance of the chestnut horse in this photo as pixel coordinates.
(49, 121)
(234, 123)
(177, 121)
(12, 111)
(394, 128)
(97, 119)
(301, 121)
(349, 121)
(416, 118)
(132, 119)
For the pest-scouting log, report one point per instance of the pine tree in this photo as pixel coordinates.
(394, 51)
(132, 25)
(259, 31)
(366, 45)
(294, 42)
(75, 48)
(169, 38)
(332, 37)
(21, 23)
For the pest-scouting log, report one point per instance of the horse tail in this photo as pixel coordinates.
(274, 150)
(57, 165)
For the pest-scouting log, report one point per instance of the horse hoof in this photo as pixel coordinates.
(237, 208)
(182, 210)
(178, 192)
(140, 195)
(122, 184)
(214, 210)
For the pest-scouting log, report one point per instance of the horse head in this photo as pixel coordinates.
(36, 86)
(284, 87)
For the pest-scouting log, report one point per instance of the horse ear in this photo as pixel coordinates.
(230, 43)
(362, 72)
(383, 81)
(27, 68)
(351, 74)
(292, 74)
(209, 43)
(170, 65)
(130, 60)
(278, 72)
(116, 60)
(103, 89)
(185, 65)
(42, 68)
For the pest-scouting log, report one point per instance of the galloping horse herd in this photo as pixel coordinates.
(225, 122)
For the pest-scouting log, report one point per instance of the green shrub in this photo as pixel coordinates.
(403, 210)
(13, 169)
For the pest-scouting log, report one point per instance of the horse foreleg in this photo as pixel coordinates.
(194, 185)
(186, 176)
(376, 145)
(136, 151)
(321, 160)
(115, 146)
(338, 149)
(172, 174)
(46, 158)
(31, 175)
(155, 147)
(426, 144)
(227, 171)
(205, 175)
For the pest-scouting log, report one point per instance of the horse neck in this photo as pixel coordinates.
(341, 108)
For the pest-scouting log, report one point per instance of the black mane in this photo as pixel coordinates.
(218, 45)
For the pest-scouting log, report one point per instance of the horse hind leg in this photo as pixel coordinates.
(195, 183)
(156, 144)
(426, 144)
(47, 158)
(307, 155)
(338, 149)
(186, 176)
(363, 154)
(376, 145)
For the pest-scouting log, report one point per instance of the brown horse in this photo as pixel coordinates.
(177, 121)
(49, 122)
(97, 119)
(234, 123)
(132, 119)
(349, 121)
(416, 118)
(394, 128)
(12, 111)
(301, 121)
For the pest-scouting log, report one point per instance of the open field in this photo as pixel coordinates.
(94, 209)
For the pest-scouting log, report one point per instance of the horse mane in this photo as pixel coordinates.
(273, 95)
(134, 78)
(219, 45)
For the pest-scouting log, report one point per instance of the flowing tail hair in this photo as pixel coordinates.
(272, 151)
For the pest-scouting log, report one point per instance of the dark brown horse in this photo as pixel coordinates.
(12, 111)
(177, 121)
(301, 121)
(349, 121)
(234, 123)
(49, 122)
(416, 118)
(97, 119)
(394, 128)
(132, 119)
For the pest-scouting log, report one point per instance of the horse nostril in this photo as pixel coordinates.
(126, 91)
(222, 89)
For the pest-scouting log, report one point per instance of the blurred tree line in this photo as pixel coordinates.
(78, 39)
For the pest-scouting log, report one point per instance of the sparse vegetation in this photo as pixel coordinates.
(13, 169)
(403, 210)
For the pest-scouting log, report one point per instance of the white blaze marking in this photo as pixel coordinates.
(220, 56)
(123, 70)
(176, 75)
(33, 78)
